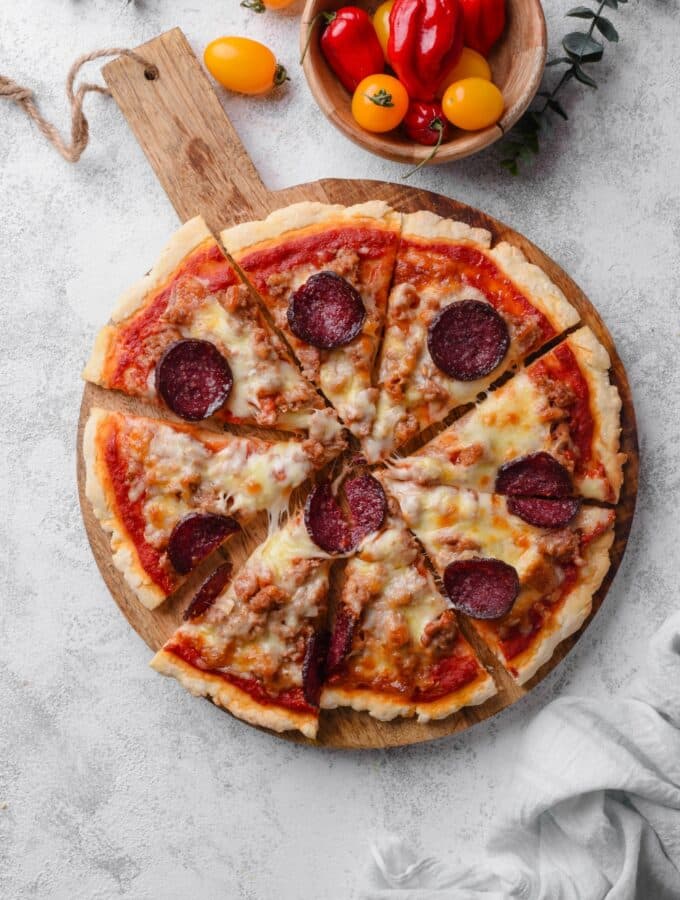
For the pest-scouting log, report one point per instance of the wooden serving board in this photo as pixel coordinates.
(198, 158)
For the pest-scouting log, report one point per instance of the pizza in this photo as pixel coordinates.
(562, 404)
(323, 272)
(412, 577)
(459, 315)
(189, 337)
(253, 646)
(524, 586)
(396, 647)
(168, 493)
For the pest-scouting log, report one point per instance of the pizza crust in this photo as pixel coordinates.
(181, 244)
(574, 611)
(302, 215)
(425, 224)
(532, 280)
(386, 707)
(232, 698)
(98, 492)
(594, 363)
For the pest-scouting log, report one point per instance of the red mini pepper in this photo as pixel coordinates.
(351, 46)
(483, 23)
(426, 39)
(425, 123)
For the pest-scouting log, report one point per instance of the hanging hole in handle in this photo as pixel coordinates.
(151, 73)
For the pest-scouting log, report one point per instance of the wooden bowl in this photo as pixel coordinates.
(517, 62)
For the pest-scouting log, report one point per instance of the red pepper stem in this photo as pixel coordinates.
(255, 5)
(327, 17)
(438, 125)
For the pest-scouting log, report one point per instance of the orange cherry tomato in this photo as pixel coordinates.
(243, 65)
(381, 23)
(470, 65)
(379, 103)
(472, 103)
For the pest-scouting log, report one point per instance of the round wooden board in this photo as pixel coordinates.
(346, 728)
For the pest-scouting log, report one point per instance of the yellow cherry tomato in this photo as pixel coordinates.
(379, 103)
(381, 23)
(472, 103)
(243, 65)
(260, 5)
(470, 65)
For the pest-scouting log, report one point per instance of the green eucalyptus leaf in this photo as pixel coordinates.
(583, 77)
(581, 12)
(583, 47)
(560, 59)
(511, 166)
(605, 27)
(612, 4)
(557, 107)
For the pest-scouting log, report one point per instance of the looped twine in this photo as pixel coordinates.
(72, 152)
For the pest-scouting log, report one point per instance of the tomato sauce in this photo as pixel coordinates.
(292, 698)
(132, 363)
(316, 250)
(466, 265)
(561, 366)
(517, 642)
(448, 674)
(131, 514)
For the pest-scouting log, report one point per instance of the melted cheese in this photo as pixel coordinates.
(178, 473)
(266, 645)
(256, 375)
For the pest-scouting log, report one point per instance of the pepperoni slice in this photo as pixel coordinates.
(367, 505)
(341, 639)
(314, 667)
(195, 536)
(208, 592)
(481, 588)
(536, 475)
(325, 522)
(194, 379)
(468, 339)
(326, 311)
(544, 512)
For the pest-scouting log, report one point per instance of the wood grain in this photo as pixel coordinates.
(193, 189)
(517, 63)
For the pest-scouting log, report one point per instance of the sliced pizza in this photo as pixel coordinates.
(562, 404)
(167, 493)
(190, 337)
(396, 648)
(459, 316)
(526, 588)
(323, 272)
(255, 647)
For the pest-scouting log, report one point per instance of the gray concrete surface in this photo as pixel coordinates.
(114, 781)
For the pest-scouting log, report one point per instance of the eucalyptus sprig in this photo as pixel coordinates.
(581, 50)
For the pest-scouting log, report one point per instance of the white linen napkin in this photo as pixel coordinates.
(592, 810)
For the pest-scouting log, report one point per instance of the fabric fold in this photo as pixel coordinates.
(592, 808)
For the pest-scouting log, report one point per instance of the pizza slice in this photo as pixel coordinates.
(256, 646)
(168, 493)
(562, 404)
(189, 337)
(459, 316)
(323, 272)
(396, 648)
(526, 588)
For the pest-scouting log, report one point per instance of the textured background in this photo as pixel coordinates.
(114, 781)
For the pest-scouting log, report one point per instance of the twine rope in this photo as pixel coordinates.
(80, 130)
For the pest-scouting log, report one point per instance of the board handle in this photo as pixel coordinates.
(185, 133)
